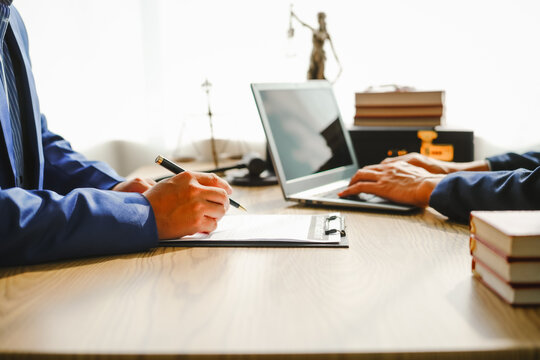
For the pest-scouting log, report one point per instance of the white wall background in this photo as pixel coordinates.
(129, 72)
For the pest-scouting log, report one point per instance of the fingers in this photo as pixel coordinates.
(363, 181)
(210, 179)
(214, 194)
(217, 188)
(430, 164)
(415, 159)
(209, 187)
(390, 160)
(183, 206)
(397, 181)
(360, 187)
(208, 225)
(369, 177)
(406, 157)
(214, 210)
(364, 174)
(143, 184)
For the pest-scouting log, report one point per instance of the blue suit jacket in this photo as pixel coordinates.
(513, 184)
(70, 213)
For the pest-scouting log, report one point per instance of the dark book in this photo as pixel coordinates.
(398, 111)
(398, 122)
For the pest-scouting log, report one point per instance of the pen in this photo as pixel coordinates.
(169, 165)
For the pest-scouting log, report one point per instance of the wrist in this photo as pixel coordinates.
(115, 186)
(426, 188)
(478, 165)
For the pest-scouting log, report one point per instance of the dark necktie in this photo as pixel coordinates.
(8, 81)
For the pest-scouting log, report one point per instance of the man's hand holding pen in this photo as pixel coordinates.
(185, 204)
(188, 203)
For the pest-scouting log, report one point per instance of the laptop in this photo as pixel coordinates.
(311, 150)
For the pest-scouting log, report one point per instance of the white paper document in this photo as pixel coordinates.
(326, 228)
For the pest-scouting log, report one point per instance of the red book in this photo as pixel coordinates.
(515, 294)
(513, 233)
(515, 270)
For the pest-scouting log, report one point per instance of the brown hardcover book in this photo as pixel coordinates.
(513, 294)
(397, 122)
(513, 270)
(399, 111)
(402, 98)
(513, 233)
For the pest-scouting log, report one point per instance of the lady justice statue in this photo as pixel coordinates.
(318, 55)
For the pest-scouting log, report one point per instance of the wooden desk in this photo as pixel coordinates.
(403, 290)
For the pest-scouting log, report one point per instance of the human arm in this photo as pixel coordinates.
(454, 195)
(42, 225)
(511, 161)
(458, 194)
(66, 169)
(46, 225)
(438, 166)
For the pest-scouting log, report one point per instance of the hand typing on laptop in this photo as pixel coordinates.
(409, 179)
(502, 182)
(397, 181)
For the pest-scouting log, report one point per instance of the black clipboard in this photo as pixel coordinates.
(321, 228)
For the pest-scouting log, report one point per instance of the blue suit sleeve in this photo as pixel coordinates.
(460, 193)
(41, 225)
(513, 161)
(66, 169)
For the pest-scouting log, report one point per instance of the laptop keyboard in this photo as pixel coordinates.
(333, 194)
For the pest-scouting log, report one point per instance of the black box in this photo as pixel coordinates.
(374, 144)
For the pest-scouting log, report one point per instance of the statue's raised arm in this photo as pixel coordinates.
(318, 55)
(294, 16)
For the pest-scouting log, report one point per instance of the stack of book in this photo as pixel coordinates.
(421, 109)
(505, 249)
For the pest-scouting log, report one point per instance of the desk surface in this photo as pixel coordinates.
(403, 290)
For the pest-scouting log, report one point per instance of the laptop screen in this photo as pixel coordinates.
(307, 130)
